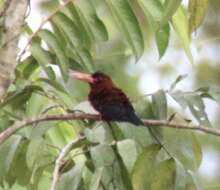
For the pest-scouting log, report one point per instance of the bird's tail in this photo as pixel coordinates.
(137, 121)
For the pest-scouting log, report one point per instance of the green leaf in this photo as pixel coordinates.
(128, 152)
(71, 180)
(55, 84)
(180, 24)
(33, 152)
(162, 39)
(8, 152)
(178, 79)
(30, 68)
(69, 27)
(197, 150)
(102, 155)
(164, 176)
(35, 104)
(52, 42)
(197, 108)
(178, 96)
(197, 11)
(143, 167)
(66, 25)
(19, 97)
(154, 11)
(18, 168)
(170, 7)
(96, 179)
(50, 72)
(80, 22)
(41, 56)
(128, 24)
(93, 22)
(159, 103)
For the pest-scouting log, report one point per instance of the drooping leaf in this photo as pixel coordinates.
(69, 27)
(74, 37)
(71, 180)
(197, 11)
(19, 97)
(178, 79)
(30, 68)
(76, 15)
(53, 83)
(143, 167)
(159, 103)
(154, 11)
(170, 7)
(162, 39)
(8, 152)
(164, 177)
(180, 24)
(41, 56)
(197, 150)
(128, 152)
(52, 42)
(178, 96)
(92, 21)
(96, 179)
(128, 24)
(102, 155)
(197, 108)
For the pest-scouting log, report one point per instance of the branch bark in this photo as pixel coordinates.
(80, 116)
(59, 161)
(14, 13)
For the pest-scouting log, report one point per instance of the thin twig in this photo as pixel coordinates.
(60, 7)
(80, 116)
(59, 161)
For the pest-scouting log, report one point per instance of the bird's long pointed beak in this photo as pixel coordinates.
(81, 76)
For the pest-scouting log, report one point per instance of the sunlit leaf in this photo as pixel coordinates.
(96, 179)
(77, 17)
(41, 56)
(197, 108)
(102, 155)
(55, 84)
(8, 152)
(197, 150)
(159, 103)
(197, 11)
(178, 96)
(178, 79)
(72, 179)
(92, 21)
(170, 7)
(50, 39)
(164, 176)
(69, 27)
(128, 24)
(128, 152)
(181, 27)
(154, 11)
(162, 39)
(143, 167)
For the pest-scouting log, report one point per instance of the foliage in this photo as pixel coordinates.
(79, 38)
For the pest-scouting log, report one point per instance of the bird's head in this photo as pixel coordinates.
(95, 79)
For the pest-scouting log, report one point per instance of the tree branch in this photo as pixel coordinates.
(14, 13)
(59, 161)
(80, 116)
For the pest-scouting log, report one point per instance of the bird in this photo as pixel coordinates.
(106, 98)
(110, 101)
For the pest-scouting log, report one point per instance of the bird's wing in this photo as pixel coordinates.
(117, 107)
